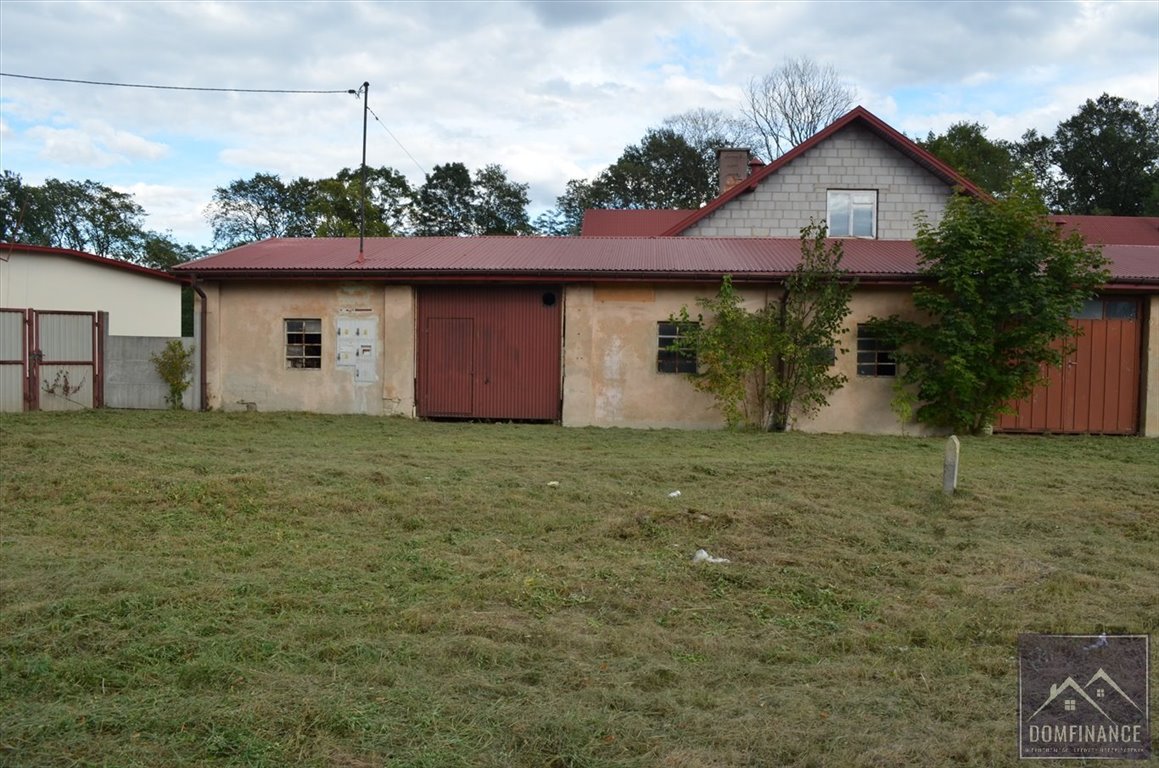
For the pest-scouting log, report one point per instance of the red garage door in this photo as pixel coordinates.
(1097, 387)
(490, 353)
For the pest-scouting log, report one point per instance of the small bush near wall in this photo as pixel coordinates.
(174, 364)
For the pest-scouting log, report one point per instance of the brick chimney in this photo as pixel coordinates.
(733, 163)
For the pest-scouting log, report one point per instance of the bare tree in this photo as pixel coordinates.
(794, 101)
(708, 130)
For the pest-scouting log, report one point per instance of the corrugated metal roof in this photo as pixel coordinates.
(1117, 230)
(1133, 262)
(601, 222)
(672, 256)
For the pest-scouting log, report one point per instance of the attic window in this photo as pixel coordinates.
(304, 343)
(852, 213)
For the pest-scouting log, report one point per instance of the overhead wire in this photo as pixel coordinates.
(216, 90)
(396, 141)
(166, 87)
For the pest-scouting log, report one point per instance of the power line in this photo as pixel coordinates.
(396, 141)
(216, 90)
(165, 87)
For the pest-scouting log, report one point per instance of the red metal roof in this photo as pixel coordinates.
(7, 248)
(1133, 262)
(602, 222)
(1118, 230)
(582, 257)
(672, 257)
(858, 115)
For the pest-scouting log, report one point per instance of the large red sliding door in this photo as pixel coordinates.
(489, 353)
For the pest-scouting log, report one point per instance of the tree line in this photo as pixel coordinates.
(1102, 160)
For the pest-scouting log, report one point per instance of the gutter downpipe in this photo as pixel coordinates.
(204, 383)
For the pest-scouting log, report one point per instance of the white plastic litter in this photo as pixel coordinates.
(702, 556)
(553, 484)
(674, 495)
(1101, 642)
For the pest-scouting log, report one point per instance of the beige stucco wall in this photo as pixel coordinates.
(246, 348)
(610, 376)
(138, 305)
(609, 358)
(1151, 379)
(855, 158)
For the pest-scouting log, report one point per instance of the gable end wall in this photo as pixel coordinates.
(855, 158)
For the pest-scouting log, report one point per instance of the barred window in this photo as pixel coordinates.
(669, 357)
(874, 354)
(304, 343)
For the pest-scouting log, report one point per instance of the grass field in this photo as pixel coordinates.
(181, 589)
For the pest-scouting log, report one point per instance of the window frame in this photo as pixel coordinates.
(671, 360)
(852, 204)
(303, 343)
(875, 357)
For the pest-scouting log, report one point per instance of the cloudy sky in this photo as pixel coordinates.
(549, 90)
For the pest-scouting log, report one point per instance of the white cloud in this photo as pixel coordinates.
(549, 90)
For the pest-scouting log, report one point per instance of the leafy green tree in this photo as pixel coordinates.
(1033, 156)
(810, 322)
(500, 204)
(336, 207)
(445, 203)
(18, 211)
(1108, 155)
(734, 354)
(663, 171)
(82, 215)
(767, 365)
(161, 251)
(259, 208)
(1002, 287)
(964, 146)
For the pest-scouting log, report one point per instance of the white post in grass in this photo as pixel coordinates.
(950, 466)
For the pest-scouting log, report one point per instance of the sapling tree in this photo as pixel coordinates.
(765, 366)
(1001, 286)
(173, 365)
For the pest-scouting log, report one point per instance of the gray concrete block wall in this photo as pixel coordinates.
(131, 380)
(854, 158)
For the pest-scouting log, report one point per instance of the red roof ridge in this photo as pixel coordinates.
(858, 114)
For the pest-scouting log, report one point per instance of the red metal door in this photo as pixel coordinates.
(490, 352)
(448, 366)
(1097, 387)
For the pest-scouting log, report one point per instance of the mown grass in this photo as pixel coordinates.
(271, 589)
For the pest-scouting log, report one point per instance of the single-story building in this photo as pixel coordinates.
(574, 330)
(73, 322)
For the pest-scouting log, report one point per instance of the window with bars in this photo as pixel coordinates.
(304, 343)
(670, 356)
(874, 354)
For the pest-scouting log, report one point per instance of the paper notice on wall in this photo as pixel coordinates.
(357, 348)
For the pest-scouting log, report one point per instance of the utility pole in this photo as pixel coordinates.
(362, 216)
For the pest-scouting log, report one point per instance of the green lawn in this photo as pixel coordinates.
(275, 589)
